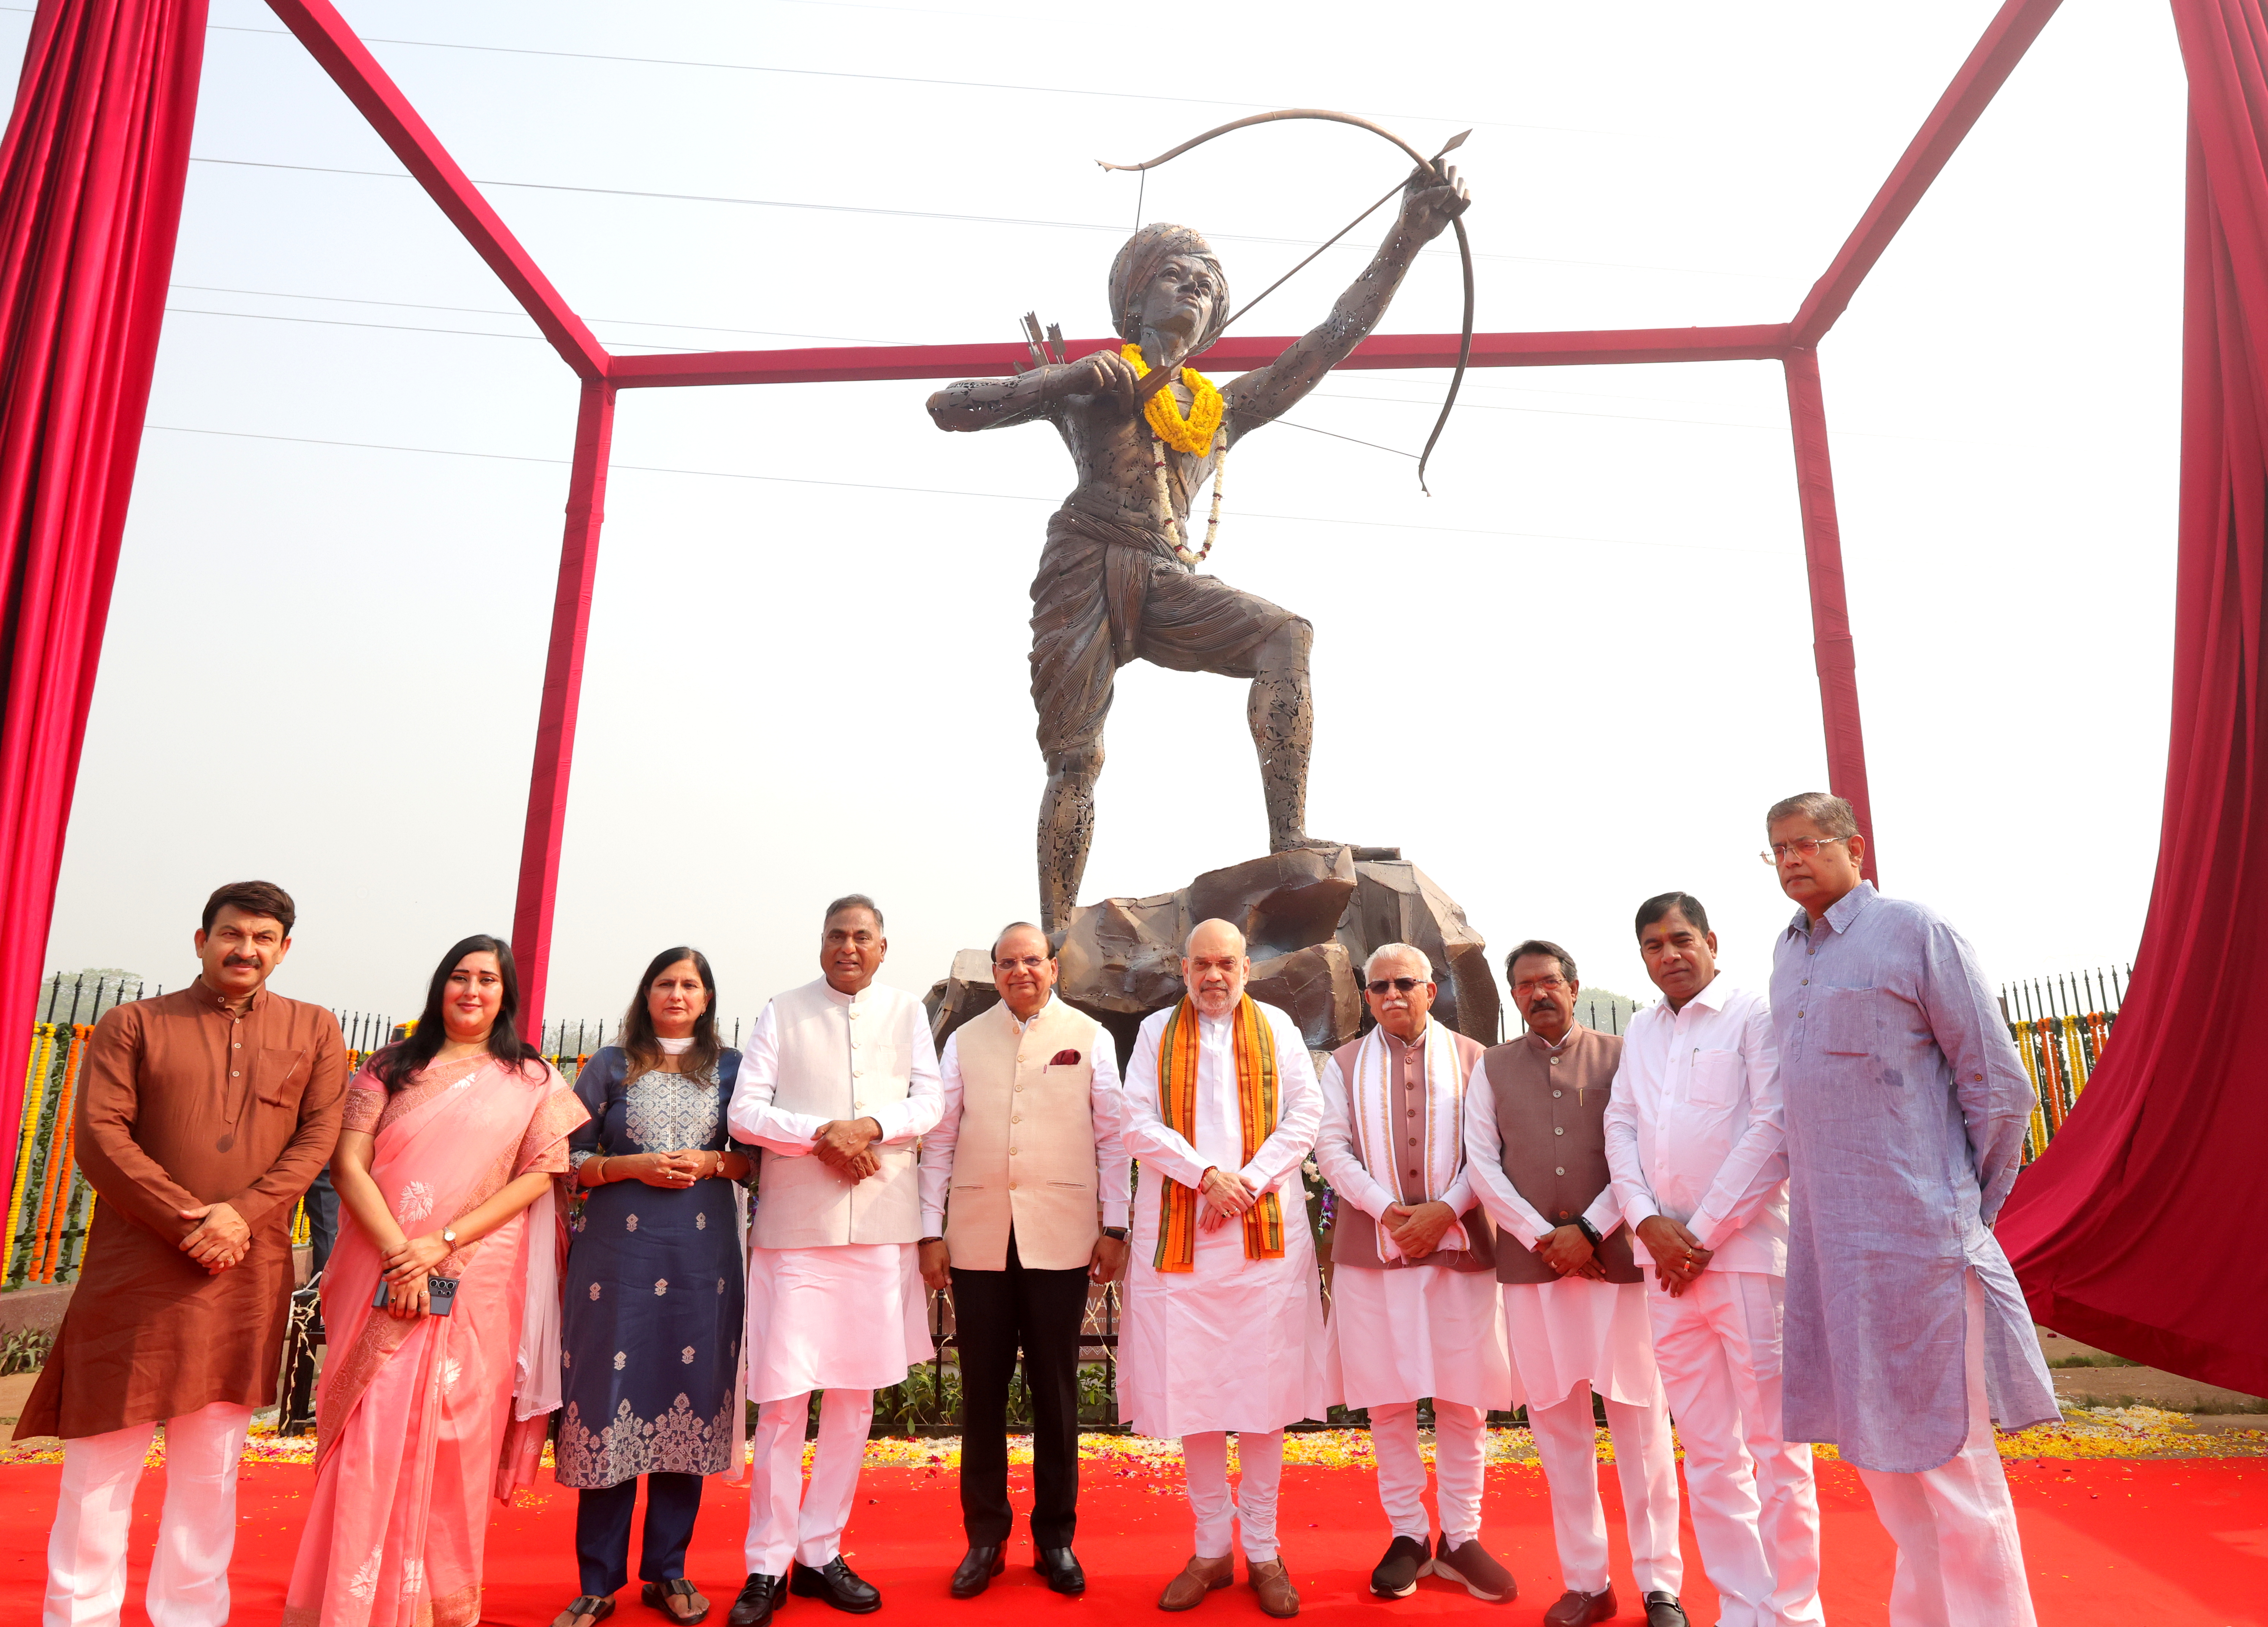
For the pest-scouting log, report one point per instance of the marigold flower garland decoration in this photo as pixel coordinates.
(1194, 435)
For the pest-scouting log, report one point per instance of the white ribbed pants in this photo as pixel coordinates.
(1961, 1563)
(1646, 1463)
(785, 1520)
(1260, 1465)
(1755, 1510)
(1459, 1459)
(94, 1510)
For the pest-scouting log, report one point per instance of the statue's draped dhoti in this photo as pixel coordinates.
(1109, 592)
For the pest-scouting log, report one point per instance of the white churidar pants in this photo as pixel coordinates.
(1755, 1509)
(1644, 1464)
(1260, 1465)
(786, 1521)
(1961, 1563)
(1459, 1459)
(94, 1510)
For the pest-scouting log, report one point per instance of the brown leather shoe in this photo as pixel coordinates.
(1269, 1579)
(1198, 1579)
(1581, 1609)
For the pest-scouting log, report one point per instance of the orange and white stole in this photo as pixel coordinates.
(1259, 1099)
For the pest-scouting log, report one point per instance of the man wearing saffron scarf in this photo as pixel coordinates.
(1414, 1305)
(1116, 582)
(1224, 1323)
(1574, 1302)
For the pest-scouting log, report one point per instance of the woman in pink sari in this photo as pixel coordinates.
(435, 1402)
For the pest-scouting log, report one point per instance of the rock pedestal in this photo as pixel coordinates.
(1311, 918)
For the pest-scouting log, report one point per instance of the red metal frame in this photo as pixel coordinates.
(1793, 344)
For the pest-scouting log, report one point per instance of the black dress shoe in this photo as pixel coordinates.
(978, 1566)
(760, 1596)
(1663, 1610)
(835, 1583)
(1396, 1574)
(1060, 1567)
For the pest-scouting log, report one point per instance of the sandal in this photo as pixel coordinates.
(592, 1605)
(657, 1595)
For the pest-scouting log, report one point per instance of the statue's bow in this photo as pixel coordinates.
(1434, 164)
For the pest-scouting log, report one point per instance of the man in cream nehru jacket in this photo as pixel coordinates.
(1414, 1305)
(1031, 1151)
(1224, 1324)
(837, 1084)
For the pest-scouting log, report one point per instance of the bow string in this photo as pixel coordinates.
(1432, 166)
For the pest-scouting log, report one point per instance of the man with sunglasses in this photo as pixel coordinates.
(1031, 1151)
(1695, 1139)
(1413, 1287)
(1906, 1337)
(1574, 1301)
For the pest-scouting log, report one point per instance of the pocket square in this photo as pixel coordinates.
(1063, 1059)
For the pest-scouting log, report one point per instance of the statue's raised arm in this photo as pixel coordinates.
(1428, 205)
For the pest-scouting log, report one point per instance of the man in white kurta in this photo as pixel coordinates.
(837, 1083)
(1414, 1303)
(1698, 1150)
(1574, 1302)
(1219, 1333)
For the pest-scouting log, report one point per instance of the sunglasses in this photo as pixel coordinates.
(1401, 985)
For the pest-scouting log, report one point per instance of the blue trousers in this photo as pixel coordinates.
(602, 1531)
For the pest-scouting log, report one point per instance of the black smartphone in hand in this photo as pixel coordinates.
(440, 1295)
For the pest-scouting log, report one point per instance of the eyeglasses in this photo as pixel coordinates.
(1400, 984)
(1808, 846)
(1531, 985)
(1030, 963)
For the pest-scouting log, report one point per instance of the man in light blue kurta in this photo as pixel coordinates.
(1906, 1336)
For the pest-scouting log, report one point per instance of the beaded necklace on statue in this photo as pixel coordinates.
(1197, 434)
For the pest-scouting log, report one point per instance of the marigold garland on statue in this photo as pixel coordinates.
(1194, 433)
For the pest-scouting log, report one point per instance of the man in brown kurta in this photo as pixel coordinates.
(202, 1115)
(1574, 1303)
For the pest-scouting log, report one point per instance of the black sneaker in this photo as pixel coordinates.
(1396, 1576)
(835, 1583)
(1473, 1565)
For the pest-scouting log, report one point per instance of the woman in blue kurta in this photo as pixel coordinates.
(650, 1338)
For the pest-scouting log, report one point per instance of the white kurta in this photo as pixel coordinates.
(1565, 1331)
(850, 1316)
(1235, 1344)
(1405, 1333)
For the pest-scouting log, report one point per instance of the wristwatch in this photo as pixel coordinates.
(449, 1235)
(1583, 1225)
(1117, 1232)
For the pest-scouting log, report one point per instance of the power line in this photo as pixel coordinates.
(942, 491)
(981, 220)
(887, 78)
(616, 321)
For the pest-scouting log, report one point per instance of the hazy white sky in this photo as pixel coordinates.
(1573, 677)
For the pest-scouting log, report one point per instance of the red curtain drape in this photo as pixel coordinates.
(2137, 1230)
(90, 175)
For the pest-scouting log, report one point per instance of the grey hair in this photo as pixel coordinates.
(1384, 950)
(854, 900)
(1242, 948)
(1825, 809)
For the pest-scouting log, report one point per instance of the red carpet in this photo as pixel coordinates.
(2108, 1541)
